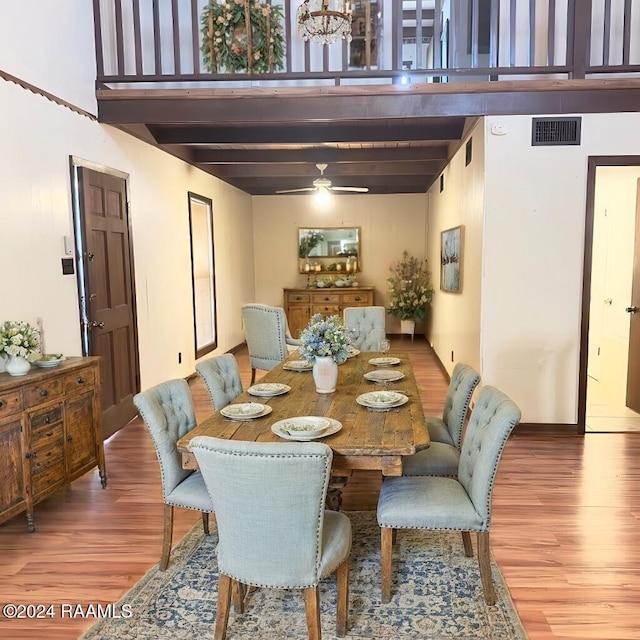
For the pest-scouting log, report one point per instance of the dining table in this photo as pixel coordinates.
(368, 439)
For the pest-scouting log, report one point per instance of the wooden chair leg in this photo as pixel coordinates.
(253, 375)
(466, 541)
(237, 595)
(312, 609)
(342, 579)
(205, 522)
(386, 550)
(484, 562)
(224, 600)
(167, 535)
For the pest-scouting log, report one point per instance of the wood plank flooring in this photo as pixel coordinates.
(566, 530)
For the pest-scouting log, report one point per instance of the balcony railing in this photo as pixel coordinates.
(159, 41)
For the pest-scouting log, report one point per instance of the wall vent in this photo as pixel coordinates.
(555, 131)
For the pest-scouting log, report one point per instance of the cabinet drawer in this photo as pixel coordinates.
(44, 438)
(50, 473)
(43, 392)
(326, 298)
(10, 403)
(326, 310)
(298, 298)
(80, 380)
(356, 299)
(46, 457)
(45, 418)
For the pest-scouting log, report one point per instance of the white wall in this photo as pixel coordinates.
(389, 225)
(533, 252)
(455, 319)
(38, 137)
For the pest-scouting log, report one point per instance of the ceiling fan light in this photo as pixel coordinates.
(323, 196)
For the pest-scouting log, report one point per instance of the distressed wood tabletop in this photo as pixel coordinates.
(369, 439)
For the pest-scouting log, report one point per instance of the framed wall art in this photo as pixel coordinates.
(451, 259)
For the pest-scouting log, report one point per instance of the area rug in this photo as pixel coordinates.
(437, 595)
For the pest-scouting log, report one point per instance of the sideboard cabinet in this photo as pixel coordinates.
(301, 304)
(50, 433)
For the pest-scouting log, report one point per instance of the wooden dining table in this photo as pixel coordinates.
(369, 438)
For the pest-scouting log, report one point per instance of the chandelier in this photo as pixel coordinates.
(324, 21)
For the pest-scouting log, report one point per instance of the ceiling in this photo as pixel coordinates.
(399, 155)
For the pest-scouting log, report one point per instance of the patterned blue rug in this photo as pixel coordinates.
(437, 595)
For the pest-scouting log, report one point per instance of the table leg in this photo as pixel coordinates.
(334, 493)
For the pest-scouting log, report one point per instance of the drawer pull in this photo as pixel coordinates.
(80, 380)
(2, 403)
(69, 438)
(27, 455)
(49, 434)
(44, 393)
(298, 297)
(358, 298)
(326, 299)
(47, 419)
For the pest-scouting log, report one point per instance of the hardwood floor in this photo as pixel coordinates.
(566, 530)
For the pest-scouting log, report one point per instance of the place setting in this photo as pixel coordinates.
(246, 411)
(268, 389)
(383, 376)
(382, 400)
(297, 365)
(304, 428)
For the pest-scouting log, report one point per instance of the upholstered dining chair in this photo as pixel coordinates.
(273, 530)
(269, 340)
(167, 411)
(369, 323)
(450, 504)
(221, 377)
(442, 456)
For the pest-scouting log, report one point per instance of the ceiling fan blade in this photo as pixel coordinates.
(354, 189)
(297, 190)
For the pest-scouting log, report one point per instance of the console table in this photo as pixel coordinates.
(50, 432)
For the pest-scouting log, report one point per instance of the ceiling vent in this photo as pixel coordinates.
(547, 132)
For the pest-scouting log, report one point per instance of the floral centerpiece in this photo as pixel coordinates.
(18, 338)
(242, 35)
(325, 337)
(409, 288)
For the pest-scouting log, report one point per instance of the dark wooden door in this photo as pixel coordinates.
(633, 367)
(109, 295)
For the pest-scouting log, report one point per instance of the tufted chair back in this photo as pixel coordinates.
(222, 379)
(464, 380)
(492, 420)
(370, 323)
(167, 410)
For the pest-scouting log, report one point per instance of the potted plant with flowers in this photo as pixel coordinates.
(325, 342)
(18, 340)
(409, 291)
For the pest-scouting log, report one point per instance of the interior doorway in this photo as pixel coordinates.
(610, 378)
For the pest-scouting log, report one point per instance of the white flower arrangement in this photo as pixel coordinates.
(18, 338)
(409, 288)
(325, 337)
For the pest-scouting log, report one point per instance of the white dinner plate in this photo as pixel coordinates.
(382, 399)
(384, 375)
(352, 352)
(297, 365)
(304, 426)
(49, 360)
(334, 427)
(268, 389)
(383, 362)
(245, 410)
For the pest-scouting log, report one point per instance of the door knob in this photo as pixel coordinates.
(96, 325)
(631, 309)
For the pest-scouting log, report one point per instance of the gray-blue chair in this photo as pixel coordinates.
(273, 529)
(167, 411)
(269, 340)
(442, 456)
(449, 504)
(369, 325)
(221, 377)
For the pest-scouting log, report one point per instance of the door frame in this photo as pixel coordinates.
(593, 162)
(75, 164)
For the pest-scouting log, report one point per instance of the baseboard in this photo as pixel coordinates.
(546, 428)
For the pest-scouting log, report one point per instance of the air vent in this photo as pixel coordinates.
(547, 132)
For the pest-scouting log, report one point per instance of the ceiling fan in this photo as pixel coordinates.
(323, 184)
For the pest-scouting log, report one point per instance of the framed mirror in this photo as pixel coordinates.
(329, 249)
(205, 324)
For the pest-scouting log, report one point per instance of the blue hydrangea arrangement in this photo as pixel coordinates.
(325, 337)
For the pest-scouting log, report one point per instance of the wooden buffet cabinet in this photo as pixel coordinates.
(50, 432)
(301, 304)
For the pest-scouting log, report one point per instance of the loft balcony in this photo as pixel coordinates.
(401, 94)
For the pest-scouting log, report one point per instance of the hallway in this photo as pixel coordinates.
(605, 414)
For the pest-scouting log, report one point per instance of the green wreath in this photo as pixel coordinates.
(224, 36)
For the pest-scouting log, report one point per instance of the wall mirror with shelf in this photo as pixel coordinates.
(329, 250)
